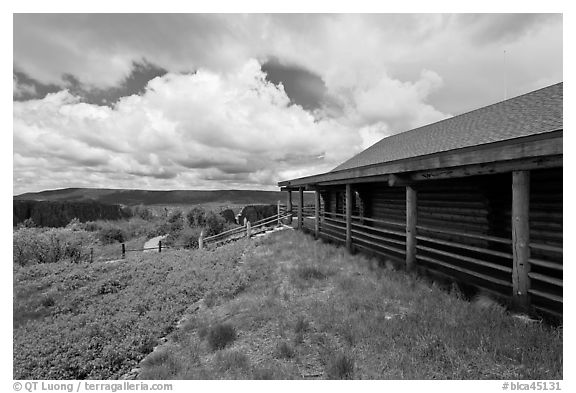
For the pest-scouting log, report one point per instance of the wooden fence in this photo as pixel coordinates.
(249, 229)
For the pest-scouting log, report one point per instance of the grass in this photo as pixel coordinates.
(340, 367)
(280, 307)
(97, 321)
(220, 336)
(311, 310)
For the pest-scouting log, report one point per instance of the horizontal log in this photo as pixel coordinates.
(466, 271)
(333, 229)
(547, 264)
(466, 259)
(379, 229)
(498, 294)
(458, 226)
(338, 228)
(336, 221)
(268, 220)
(546, 295)
(465, 247)
(382, 253)
(379, 245)
(546, 247)
(454, 210)
(546, 279)
(448, 204)
(463, 234)
(454, 218)
(489, 169)
(376, 237)
(380, 221)
(331, 236)
(334, 214)
(227, 233)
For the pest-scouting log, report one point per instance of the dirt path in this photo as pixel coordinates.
(153, 243)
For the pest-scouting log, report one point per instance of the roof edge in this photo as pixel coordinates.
(548, 135)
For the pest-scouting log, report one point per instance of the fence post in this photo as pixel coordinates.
(159, 245)
(123, 251)
(91, 254)
(278, 212)
(349, 217)
(248, 229)
(201, 240)
(317, 214)
(289, 206)
(520, 238)
(300, 207)
(411, 222)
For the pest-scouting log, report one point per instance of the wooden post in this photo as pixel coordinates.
(123, 251)
(300, 206)
(91, 255)
(201, 240)
(159, 245)
(411, 222)
(289, 205)
(349, 217)
(520, 238)
(278, 212)
(317, 214)
(248, 229)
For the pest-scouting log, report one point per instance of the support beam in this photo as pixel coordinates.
(411, 222)
(317, 214)
(289, 205)
(520, 238)
(349, 217)
(397, 181)
(300, 206)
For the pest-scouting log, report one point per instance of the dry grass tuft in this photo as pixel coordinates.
(220, 335)
(340, 366)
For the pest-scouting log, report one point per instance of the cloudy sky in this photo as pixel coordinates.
(181, 101)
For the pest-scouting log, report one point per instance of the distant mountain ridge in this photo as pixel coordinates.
(149, 197)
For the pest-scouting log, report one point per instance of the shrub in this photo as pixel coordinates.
(27, 223)
(284, 351)
(75, 225)
(142, 212)
(176, 221)
(196, 217)
(214, 224)
(186, 238)
(220, 335)
(228, 215)
(340, 367)
(109, 235)
(41, 245)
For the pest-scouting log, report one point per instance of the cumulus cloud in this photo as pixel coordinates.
(210, 118)
(22, 89)
(202, 130)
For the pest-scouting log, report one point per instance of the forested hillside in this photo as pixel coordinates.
(59, 213)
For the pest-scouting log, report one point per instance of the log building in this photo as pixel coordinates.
(476, 198)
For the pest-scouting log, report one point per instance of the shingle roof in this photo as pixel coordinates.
(533, 113)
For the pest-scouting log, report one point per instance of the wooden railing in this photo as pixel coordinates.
(248, 230)
(490, 263)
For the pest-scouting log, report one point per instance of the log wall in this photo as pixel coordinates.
(463, 230)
